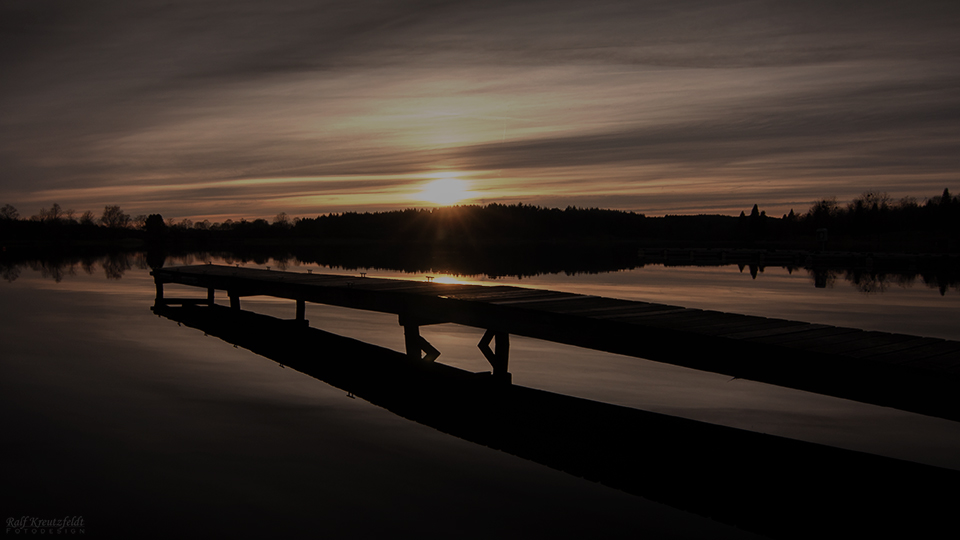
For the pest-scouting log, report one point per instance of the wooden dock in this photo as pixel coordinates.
(905, 372)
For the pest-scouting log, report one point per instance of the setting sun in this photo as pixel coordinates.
(445, 191)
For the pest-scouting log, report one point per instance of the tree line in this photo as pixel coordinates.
(871, 221)
(112, 217)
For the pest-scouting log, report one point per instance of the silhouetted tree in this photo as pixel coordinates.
(154, 226)
(822, 213)
(9, 212)
(55, 213)
(114, 218)
(870, 201)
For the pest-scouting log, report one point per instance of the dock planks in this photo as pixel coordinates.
(906, 372)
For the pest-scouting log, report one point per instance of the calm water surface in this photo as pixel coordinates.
(103, 398)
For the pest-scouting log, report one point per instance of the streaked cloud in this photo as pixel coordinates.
(216, 107)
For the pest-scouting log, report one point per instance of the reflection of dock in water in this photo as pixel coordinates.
(906, 372)
(770, 485)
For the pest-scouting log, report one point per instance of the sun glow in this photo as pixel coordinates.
(445, 191)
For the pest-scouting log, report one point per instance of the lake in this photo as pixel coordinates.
(143, 426)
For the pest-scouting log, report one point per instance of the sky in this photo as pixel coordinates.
(230, 108)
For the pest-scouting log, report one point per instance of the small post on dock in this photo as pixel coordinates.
(211, 292)
(234, 300)
(159, 299)
(301, 310)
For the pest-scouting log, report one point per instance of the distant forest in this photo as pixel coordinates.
(871, 222)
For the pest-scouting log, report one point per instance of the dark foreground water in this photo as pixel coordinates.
(143, 427)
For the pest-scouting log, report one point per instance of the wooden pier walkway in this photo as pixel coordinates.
(906, 372)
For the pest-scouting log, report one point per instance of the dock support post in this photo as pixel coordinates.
(159, 299)
(234, 300)
(411, 340)
(301, 309)
(211, 292)
(498, 359)
(416, 345)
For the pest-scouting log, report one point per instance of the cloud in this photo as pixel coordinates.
(868, 123)
(102, 94)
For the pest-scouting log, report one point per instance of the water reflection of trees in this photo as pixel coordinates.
(871, 282)
(10, 272)
(878, 282)
(940, 273)
(54, 269)
(868, 282)
(115, 265)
